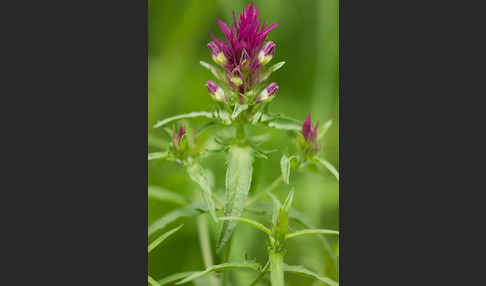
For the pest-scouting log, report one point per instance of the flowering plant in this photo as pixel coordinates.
(242, 96)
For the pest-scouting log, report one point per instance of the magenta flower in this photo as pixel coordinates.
(239, 53)
(307, 130)
(177, 137)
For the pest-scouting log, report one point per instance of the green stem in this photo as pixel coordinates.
(240, 131)
(206, 247)
(270, 188)
(276, 268)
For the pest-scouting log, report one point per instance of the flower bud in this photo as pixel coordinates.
(216, 92)
(177, 137)
(307, 130)
(266, 53)
(217, 54)
(267, 93)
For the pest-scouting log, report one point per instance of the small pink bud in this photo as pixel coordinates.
(266, 53)
(177, 137)
(307, 130)
(216, 92)
(267, 93)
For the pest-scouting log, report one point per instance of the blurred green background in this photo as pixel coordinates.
(307, 40)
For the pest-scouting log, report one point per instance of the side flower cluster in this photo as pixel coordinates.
(309, 143)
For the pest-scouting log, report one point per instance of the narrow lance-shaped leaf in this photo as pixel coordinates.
(152, 281)
(174, 277)
(222, 267)
(311, 231)
(201, 176)
(157, 155)
(164, 195)
(238, 181)
(191, 210)
(161, 238)
(285, 166)
(300, 270)
(329, 166)
(272, 69)
(214, 70)
(324, 129)
(250, 222)
(238, 109)
(283, 124)
(300, 218)
(182, 116)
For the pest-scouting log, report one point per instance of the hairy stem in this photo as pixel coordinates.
(205, 244)
(270, 188)
(276, 268)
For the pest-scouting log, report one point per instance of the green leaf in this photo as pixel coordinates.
(224, 116)
(202, 177)
(248, 221)
(238, 109)
(277, 66)
(157, 142)
(311, 231)
(270, 70)
(205, 126)
(157, 155)
(288, 201)
(152, 281)
(222, 267)
(301, 270)
(214, 70)
(238, 180)
(300, 218)
(285, 167)
(175, 277)
(284, 124)
(164, 195)
(182, 116)
(163, 237)
(324, 129)
(329, 166)
(189, 211)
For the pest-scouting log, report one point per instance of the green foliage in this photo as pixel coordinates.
(238, 180)
(152, 281)
(157, 155)
(161, 238)
(178, 36)
(301, 270)
(285, 167)
(201, 176)
(183, 116)
(328, 166)
(222, 267)
(310, 232)
(164, 195)
(189, 211)
(174, 277)
(253, 223)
